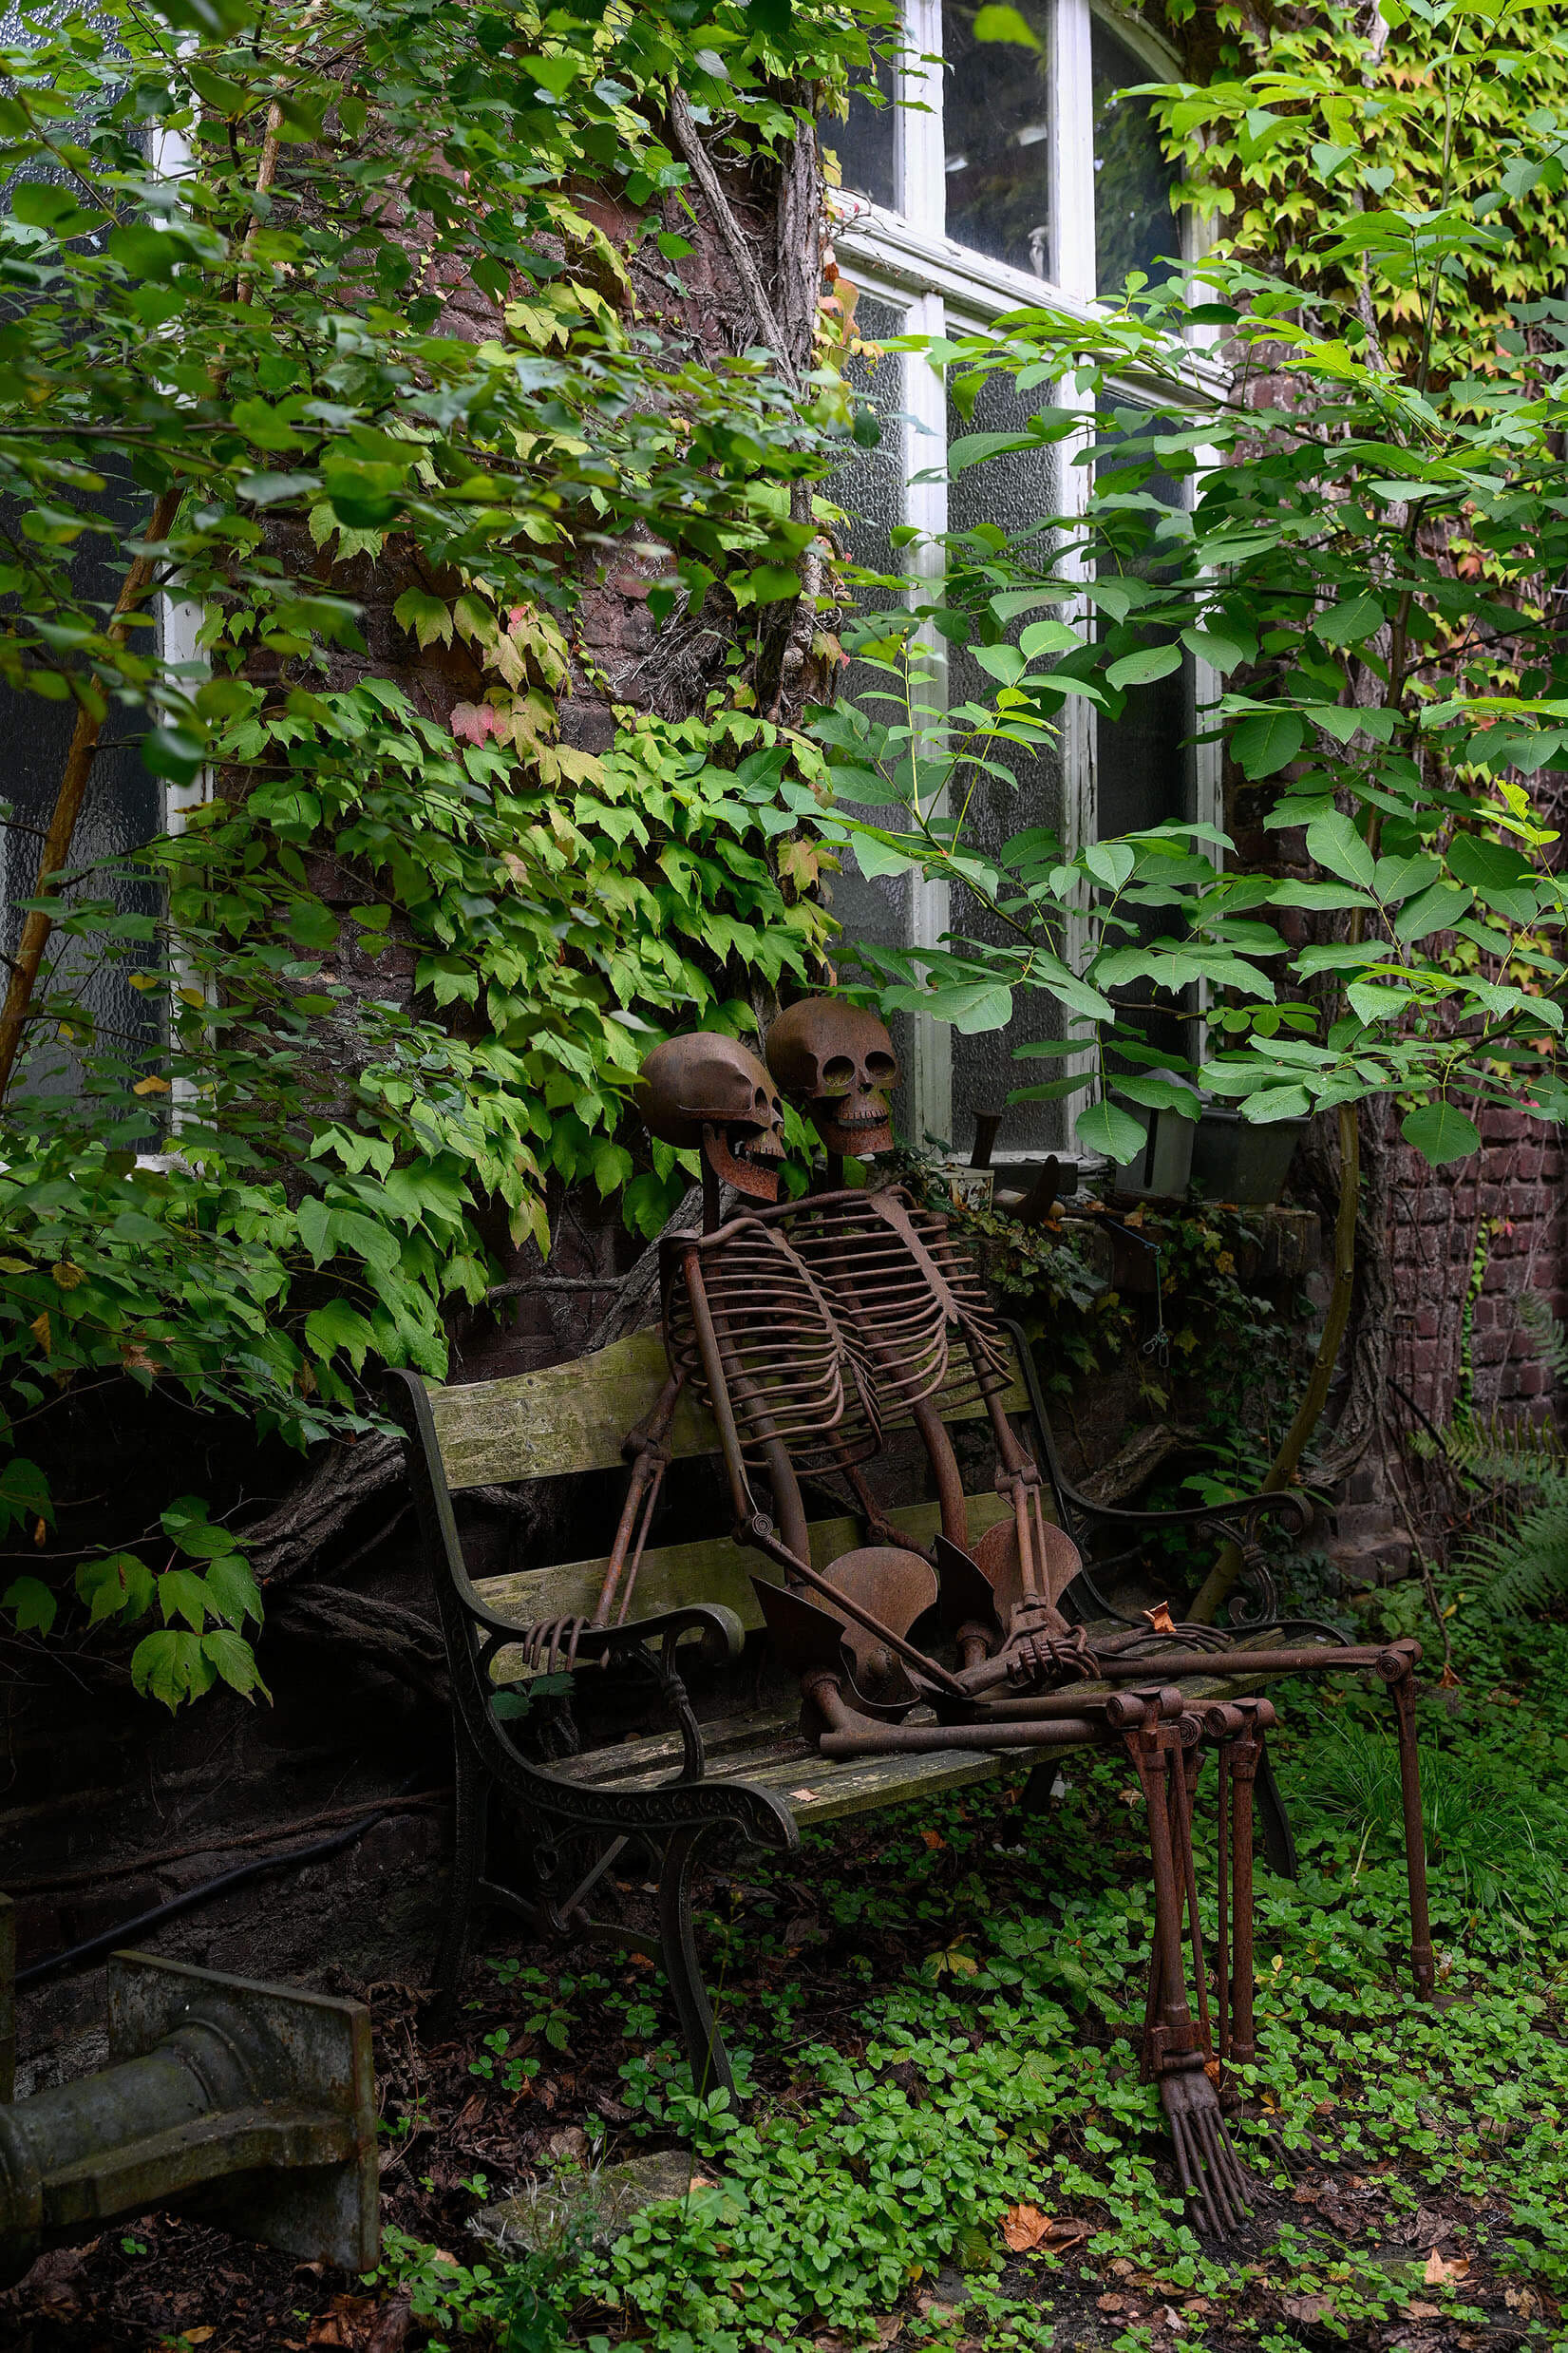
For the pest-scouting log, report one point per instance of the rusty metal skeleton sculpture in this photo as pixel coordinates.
(810, 1328)
(896, 1282)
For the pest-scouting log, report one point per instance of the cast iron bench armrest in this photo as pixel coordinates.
(724, 1637)
(1118, 1515)
(1185, 1516)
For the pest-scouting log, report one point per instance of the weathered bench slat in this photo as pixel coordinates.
(721, 1735)
(718, 1569)
(576, 1417)
(769, 1753)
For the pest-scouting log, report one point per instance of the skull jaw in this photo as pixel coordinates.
(854, 1126)
(744, 1157)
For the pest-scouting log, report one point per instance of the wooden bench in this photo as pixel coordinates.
(747, 1772)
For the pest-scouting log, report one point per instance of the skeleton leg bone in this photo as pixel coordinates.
(1211, 2174)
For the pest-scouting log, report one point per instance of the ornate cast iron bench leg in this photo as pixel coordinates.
(471, 1796)
(710, 2068)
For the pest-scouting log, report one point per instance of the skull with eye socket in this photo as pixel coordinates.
(836, 1060)
(706, 1092)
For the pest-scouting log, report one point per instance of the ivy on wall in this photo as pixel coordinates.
(1394, 109)
(310, 322)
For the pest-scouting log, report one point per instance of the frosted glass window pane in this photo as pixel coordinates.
(1134, 226)
(1015, 492)
(996, 131)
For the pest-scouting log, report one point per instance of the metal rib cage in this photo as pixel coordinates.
(906, 1295)
(988, 1345)
(790, 1374)
(894, 1318)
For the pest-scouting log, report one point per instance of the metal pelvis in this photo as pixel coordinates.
(811, 1637)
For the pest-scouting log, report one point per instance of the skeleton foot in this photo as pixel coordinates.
(1212, 2173)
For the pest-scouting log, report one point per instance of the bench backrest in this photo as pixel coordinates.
(574, 1418)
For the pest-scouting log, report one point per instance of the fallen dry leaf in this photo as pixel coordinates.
(390, 2328)
(1424, 2311)
(1109, 2303)
(197, 2336)
(1441, 2269)
(1308, 2309)
(932, 1839)
(1024, 2226)
(889, 2328)
(346, 2324)
(1173, 2319)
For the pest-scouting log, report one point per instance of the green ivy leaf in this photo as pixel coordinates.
(428, 617)
(182, 1594)
(1267, 742)
(34, 1607)
(1334, 842)
(1143, 668)
(171, 1667)
(23, 1494)
(235, 1662)
(1501, 878)
(1350, 623)
(119, 1586)
(1437, 909)
(338, 1325)
(232, 1594)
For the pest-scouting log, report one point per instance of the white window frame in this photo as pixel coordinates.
(903, 256)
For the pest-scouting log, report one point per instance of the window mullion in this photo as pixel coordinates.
(919, 180)
(1073, 151)
(925, 445)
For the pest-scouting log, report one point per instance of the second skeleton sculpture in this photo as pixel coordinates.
(836, 1063)
(810, 1328)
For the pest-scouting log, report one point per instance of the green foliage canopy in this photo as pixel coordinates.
(322, 293)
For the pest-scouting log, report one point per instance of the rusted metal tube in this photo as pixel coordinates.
(929, 1739)
(944, 1466)
(1044, 1705)
(1423, 1966)
(1242, 1755)
(1304, 1658)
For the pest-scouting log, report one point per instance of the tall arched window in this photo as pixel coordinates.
(996, 174)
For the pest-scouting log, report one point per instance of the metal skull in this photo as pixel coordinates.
(709, 1094)
(836, 1060)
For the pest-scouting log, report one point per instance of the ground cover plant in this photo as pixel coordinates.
(947, 2143)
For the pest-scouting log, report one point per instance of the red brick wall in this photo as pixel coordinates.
(1514, 1187)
